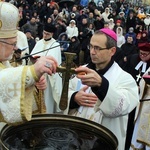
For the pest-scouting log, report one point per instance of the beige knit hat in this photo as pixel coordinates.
(9, 18)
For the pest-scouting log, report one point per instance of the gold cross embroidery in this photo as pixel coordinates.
(14, 90)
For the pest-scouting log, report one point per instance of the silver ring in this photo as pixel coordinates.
(86, 101)
(48, 65)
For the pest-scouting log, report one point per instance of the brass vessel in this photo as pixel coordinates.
(57, 132)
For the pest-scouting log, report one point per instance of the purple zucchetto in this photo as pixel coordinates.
(109, 32)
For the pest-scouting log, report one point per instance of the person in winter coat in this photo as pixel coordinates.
(131, 33)
(128, 48)
(130, 22)
(74, 47)
(120, 36)
(72, 29)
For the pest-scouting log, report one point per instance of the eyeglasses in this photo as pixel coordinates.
(96, 48)
(144, 54)
(13, 44)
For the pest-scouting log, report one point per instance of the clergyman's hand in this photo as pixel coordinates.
(90, 78)
(45, 64)
(83, 98)
(41, 84)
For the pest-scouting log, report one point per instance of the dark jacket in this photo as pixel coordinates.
(75, 47)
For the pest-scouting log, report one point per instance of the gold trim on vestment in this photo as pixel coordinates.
(22, 98)
(34, 73)
(2, 66)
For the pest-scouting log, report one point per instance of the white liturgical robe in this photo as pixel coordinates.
(17, 102)
(54, 83)
(112, 112)
(141, 134)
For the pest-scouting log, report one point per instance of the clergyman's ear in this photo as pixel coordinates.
(113, 50)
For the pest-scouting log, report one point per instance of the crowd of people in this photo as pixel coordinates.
(80, 20)
(111, 41)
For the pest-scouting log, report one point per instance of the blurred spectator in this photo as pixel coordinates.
(141, 14)
(64, 44)
(106, 25)
(31, 41)
(74, 14)
(113, 15)
(82, 15)
(110, 8)
(35, 14)
(22, 17)
(75, 47)
(91, 6)
(55, 16)
(72, 30)
(49, 21)
(121, 16)
(143, 38)
(91, 27)
(120, 37)
(72, 17)
(84, 3)
(111, 24)
(113, 5)
(131, 33)
(97, 13)
(119, 3)
(100, 7)
(118, 24)
(122, 9)
(147, 22)
(39, 28)
(105, 14)
(32, 26)
(84, 37)
(60, 27)
(128, 48)
(27, 12)
(34, 6)
(64, 14)
(91, 18)
(130, 22)
(99, 22)
(41, 9)
(49, 10)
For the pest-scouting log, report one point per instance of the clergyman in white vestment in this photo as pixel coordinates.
(18, 99)
(54, 83)
(141, 134)
(106, 94)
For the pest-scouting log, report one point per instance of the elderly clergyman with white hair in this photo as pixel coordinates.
(17, 85)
